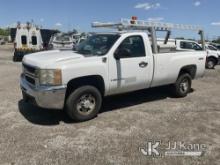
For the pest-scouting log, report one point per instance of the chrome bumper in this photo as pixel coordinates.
(44, 97)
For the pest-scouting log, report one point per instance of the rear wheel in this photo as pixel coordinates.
(84, 103)
(183, 85)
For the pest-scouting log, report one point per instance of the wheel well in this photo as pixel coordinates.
(214, 58)
(190, 69)
(95, 80)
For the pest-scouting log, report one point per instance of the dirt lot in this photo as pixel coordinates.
(30, 135)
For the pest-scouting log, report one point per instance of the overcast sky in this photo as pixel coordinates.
(66, 14)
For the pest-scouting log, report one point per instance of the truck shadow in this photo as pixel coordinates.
(42, 116)
(131, 99)
(47, 117)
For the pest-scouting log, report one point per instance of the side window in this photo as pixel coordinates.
(24, 40)
(34, 40)
(134, 46)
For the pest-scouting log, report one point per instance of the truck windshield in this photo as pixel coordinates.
(97, 45)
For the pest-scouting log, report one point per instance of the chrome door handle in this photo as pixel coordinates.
(143, 64)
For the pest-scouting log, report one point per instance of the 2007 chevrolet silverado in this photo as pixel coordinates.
(107, 64)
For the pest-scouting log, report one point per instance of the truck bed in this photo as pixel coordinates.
(168, 65)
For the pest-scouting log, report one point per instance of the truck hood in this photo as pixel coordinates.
(50, 58)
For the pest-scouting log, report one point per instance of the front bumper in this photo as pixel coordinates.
(44, 97)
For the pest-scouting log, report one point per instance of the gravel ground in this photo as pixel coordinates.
(30, 135)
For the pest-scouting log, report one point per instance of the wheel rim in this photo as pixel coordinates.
(184, 86)
(86, 104)
(210, 64)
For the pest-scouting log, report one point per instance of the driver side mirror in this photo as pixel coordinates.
(121, 53)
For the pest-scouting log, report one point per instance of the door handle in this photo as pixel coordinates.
(143, 64)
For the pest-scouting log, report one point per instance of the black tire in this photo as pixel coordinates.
(183, 85)
(211, 63)
(15, 59)
(75, 101)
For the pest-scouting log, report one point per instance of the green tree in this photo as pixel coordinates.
(4, 32)
(217, 40)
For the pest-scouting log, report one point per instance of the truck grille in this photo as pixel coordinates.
(29, 69)
(30, 80)
(29, 74)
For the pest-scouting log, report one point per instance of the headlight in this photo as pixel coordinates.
(49, 76)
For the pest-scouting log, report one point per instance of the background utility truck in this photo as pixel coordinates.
(108, 64)
(61, 41)
(29, 38)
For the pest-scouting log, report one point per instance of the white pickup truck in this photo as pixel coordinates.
(213, 55)
(103, 65)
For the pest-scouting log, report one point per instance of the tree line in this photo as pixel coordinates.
(4, 32)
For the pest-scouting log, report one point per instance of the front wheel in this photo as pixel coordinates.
(183, 85)
(84, 103)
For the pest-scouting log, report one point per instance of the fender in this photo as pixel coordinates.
(190, 69)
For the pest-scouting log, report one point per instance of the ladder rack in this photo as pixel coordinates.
(128, 24)
(151, 27)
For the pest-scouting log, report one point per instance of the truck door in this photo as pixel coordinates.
(130, 68)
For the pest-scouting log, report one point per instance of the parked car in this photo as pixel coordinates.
(182, 44)
(214, 44)
(61, 41)
(107, 64)
(213, 55)
(79, 41)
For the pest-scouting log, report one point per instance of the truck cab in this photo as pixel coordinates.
(107, 64)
